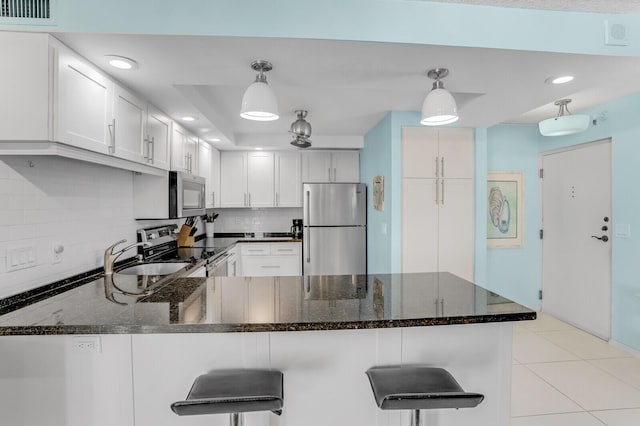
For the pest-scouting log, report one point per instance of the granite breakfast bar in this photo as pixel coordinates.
(323, 332)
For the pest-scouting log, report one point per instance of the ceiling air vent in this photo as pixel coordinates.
(34, 12)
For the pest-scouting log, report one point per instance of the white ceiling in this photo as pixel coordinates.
(347, 87)
(602, 6)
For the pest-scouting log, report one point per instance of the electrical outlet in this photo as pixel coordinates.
(57, 250)
(88, 343)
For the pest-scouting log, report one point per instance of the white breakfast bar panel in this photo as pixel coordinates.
(324, 372)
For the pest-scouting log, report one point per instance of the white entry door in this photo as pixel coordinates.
(576, 245)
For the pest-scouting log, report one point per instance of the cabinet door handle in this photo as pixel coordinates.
(437, 168)
(437, 192)
(441, 166)
(329, 174)
(276, 199)
(334, 175)
(152, 149)
(249, 199)
(245, 199)
(112, 133)
(146, 140)
(270, 266)
(442, 192)
(213, 198)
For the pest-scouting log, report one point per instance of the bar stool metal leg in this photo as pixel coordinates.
(415, 418)
(237, 419)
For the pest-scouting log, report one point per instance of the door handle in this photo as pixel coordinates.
(308, 226)
(112, 132)
(604, 238)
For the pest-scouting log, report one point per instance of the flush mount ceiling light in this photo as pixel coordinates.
(560, 80)
(121, 62)
(301, 130)
(259, 103)
(439, 107)
(564, 123)
(189, 118)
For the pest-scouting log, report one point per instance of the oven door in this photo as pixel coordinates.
(218, 268)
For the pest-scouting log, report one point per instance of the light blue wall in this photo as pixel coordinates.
(622, 125)
(375, 159)
(515, 272)
(371, 20)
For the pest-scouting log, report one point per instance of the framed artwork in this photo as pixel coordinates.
(505, 209)
(378, 192)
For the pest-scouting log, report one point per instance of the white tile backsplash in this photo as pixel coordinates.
(252, 220)
(83, 206)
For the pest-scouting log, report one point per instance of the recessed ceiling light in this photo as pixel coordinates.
(188, 118)
(258, 149)
(560, 80)
(214, 140)
(121, 62)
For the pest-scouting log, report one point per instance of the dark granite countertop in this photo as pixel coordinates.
(245, 304)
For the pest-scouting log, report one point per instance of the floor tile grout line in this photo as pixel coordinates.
(609, 373)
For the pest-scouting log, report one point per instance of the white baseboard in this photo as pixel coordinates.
(624, 347)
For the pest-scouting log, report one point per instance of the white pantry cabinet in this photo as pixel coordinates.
(330, 166)
(247, 179)
(437, 200)
(288, 182)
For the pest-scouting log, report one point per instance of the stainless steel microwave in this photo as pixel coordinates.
(186, 195)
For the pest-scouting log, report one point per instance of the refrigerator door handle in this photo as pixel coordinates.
(308, 229)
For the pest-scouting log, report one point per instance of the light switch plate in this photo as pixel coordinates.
(622, 230)
(22, 257)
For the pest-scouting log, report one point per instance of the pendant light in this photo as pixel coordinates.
(564, 123)
(301, 130)
(439, 107)
(259, 103)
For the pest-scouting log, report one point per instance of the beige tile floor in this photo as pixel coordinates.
(563, 376)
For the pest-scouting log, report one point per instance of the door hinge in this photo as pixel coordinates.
(541, 173)
(540, 294)
(541, 233)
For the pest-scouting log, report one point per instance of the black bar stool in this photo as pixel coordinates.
(418, 387)
(233, 392)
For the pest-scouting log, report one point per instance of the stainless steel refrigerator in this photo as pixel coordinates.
(334, 240)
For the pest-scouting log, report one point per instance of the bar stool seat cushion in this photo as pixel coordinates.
(233, 391)
(418, 387)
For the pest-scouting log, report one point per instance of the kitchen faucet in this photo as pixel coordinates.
(110, 257)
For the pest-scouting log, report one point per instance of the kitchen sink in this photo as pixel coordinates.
(154, 268)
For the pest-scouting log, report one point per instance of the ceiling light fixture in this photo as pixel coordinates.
(564, 123)
(121, 62)
(560, 80)
(188, 118)
(259, 103)
(301, 130)
(439, 107)
(214, 140)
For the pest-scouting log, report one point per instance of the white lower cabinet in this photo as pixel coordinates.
(271, 259)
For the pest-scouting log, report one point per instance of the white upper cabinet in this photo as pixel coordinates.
(128, 124)
(288, 182)
(157, 138)
(215, 177)
(204, 170)
(260, 179)
(184, 151)
(316, 166)
(83, 104)
(233, 179)
(24, 87)
(247, 179)
(330, 166)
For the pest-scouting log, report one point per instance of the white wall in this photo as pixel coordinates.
(83, 206)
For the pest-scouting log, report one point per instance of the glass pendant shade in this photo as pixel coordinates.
(439, 108)
(564, 125)
(259, 103)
